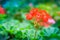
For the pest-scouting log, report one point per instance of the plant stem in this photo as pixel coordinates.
(35, 25)
(35, 34)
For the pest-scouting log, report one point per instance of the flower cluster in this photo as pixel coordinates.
(40, 16)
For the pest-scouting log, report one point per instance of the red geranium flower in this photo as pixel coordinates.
(2, 11)
(40, 16)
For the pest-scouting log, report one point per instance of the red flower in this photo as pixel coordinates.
(2, 11)
(41, 17)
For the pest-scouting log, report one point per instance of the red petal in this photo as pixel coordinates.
(28, 16)
(2, 11)
(46, 25)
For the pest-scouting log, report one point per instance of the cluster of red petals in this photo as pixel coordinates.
(2, 11)
(41, 16)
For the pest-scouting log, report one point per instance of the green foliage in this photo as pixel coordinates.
(14, 26)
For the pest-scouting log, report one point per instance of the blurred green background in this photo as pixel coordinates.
(14, 26)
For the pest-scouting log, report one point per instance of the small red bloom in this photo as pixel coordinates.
(2, 11)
